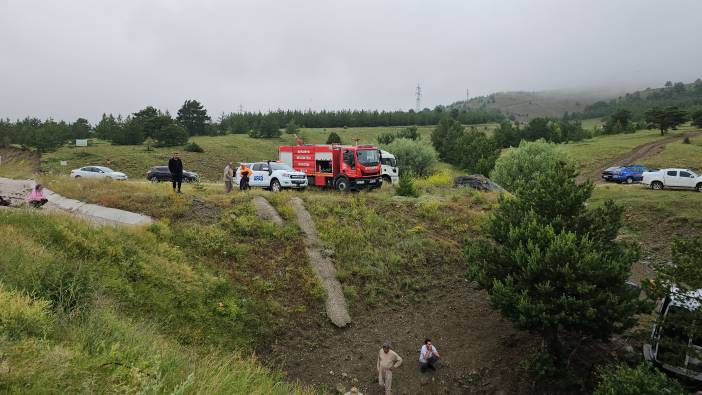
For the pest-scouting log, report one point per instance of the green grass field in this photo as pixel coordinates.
(599, 151)
(679, 155)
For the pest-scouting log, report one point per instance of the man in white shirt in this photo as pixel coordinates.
(428, 356)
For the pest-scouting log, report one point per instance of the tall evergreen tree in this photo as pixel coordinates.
(193, 117)
(552, 265)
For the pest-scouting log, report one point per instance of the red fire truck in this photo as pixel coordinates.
(342, 167)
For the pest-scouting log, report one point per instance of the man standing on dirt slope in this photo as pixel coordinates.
(175, 166)
(228, 177)
(387, 361)
(428, 355)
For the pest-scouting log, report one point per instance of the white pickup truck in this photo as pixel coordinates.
(672, 178)
(274, 176)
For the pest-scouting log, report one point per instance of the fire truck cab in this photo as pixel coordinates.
(342, 167)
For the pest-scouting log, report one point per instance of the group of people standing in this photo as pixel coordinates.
(245, 173)
(388, 360)
(175, 167)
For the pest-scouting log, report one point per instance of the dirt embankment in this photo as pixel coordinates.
(481, 352)
(637, 154)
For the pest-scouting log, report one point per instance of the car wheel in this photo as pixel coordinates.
(275, 185)
(386, 181)
(342, 184)
(77, 177)
(699, 187)
(629, 180)
(153, 179)
(657, 185)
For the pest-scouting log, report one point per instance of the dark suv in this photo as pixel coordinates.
(161, 173)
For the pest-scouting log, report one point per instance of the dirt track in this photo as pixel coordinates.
(641, 152)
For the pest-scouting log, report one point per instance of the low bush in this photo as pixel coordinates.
(406, 185)
(193, 147)
(640, 380)
(414, 156)
(21, 315)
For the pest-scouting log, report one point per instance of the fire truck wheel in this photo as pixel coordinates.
(342, 184)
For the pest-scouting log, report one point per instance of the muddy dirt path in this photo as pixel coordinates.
(336, 308)
(641, 152)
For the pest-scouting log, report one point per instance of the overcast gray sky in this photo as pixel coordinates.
(65, 59)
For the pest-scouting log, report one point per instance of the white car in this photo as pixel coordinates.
(98, 172)
(672, 178)
(388, 168)
(274, 176)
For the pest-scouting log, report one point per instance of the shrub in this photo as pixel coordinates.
(523, 163)
(170, 135)
(686, 140)
(641, 380)
(406, 185)
(552, 265)
(415, 156)
(292, 127)
(193, 147)
(333, 138)
(386, 138)
(21, 315)
(411, 133)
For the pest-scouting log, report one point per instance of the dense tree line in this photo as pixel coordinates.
(687, 97)
(476, 151)
(244, 122)
(42, 135)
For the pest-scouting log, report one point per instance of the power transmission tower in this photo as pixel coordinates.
(241, 109)
(418, 104)
(467, 94)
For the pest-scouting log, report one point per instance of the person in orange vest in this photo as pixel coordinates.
(298, 141)
(245, 173)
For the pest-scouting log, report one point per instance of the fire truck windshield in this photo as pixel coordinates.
(369, 157)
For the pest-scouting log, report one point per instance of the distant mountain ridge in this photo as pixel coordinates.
(523, 106)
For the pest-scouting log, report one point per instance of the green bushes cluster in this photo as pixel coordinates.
(414, 156)
(21, 315)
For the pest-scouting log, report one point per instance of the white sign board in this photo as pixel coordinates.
(81, 142)
(64, 163)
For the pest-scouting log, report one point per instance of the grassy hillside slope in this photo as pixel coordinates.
(136, 160)
(523, 106)
(123, 310)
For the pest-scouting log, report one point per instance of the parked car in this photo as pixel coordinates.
(98, 172)
(274, 176)
(627, 174)
(161, 173)
(670, 346)
(673, 178)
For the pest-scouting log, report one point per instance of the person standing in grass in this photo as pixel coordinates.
(36, 197)
(387, 361)
(245, 173)
(175, 166)
(228, 177)
(428, 356)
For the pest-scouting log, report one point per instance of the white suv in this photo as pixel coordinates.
(274, 176)
(672, 178)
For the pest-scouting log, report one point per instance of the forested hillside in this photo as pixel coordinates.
(687, 97)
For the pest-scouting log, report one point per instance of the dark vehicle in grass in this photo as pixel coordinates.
(625, 174)
(161, 173)
(676, 340)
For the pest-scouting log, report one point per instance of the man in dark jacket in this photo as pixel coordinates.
(175, 166)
